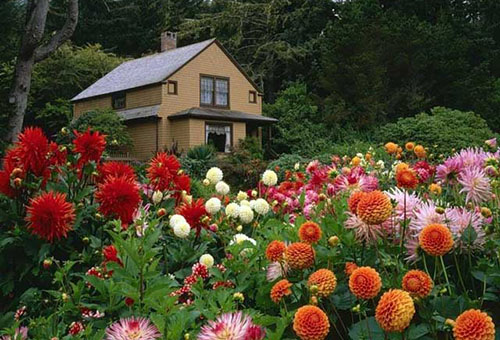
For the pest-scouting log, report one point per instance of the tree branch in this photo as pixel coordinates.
(62, 35)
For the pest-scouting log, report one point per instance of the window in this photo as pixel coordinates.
(214, 91)
(118, 100)
(172, 87)
(252, 97)
(220, 136)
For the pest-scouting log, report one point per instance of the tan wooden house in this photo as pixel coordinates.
(192, 95)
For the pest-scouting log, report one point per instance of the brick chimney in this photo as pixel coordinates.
(168, 41)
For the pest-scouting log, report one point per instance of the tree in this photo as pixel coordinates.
(34, 49)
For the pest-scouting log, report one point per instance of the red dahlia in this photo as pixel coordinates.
(162, 170)
(115, 169)
(118, 197)
(90, 146)
(33, 150)
(193, 213)
(110, 254)
(50, 216)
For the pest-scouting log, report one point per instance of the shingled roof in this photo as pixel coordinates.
(144, 71)
(225, 115)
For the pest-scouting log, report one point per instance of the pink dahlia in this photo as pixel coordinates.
(476, 185)
(460, 220)
(425, 214)
(231, 326)
(132, 328)
(364, 232)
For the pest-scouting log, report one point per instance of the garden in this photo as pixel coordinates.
(392, 243)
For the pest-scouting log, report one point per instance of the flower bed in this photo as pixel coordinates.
(353, 249)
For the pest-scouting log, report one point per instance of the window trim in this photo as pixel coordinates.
(252, 97)
(219, 124)
(118, 95)
(214, 92)
(176, 89)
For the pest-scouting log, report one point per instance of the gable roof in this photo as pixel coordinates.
(150, 70)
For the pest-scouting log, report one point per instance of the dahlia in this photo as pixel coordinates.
(311, 323)
(310, 232)
(49, 216)
(299, 255)
(349, 268)
(21, 333)
(261, 206)
(246, 214)
(275, 250)
(118, 197)
(395, 310)
(417, 283)
(325, 280)
(214, 175)
(419, 151)
(435, 189)
(115, 169)
(353, 200)
(222, 188)
(425, 214)
(213, 205)
(193, 213)
(269, 178)
(475, 184)
(364, 232)
(474, 325)
(232, 210)
(407, 179)
(365, 283)
(110, 254)
(391, 148)
(409, 146)
(182, 182)
(436, 239)
(90, 146)
(276, 270)
(132, 328)
(161, 170)
(374, 207)
(182, 229)
(460, 220)
(424, 170)
(33, 150)
(280, 290)
(231, 326)
(6, 187)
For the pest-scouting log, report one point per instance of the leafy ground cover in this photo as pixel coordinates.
(388, 244)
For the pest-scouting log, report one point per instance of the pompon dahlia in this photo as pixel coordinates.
(436, 239)
(406, 178)
(119, 198)
(193, 213)
(33, 150)
(311, 323)
(365, 283)
(90, 146)
(474, 325)
(280, 290)
(231, 326)
(49, 216)
(353, 201)
(374, 207)
(162, 170)
(299, 255)
(417, 283)
(349, 268)
(115, 169)
(395, 310)
(132, 328)
(310, 232)
(275, 250)
(325, 280)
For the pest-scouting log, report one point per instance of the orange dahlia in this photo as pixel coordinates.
(365, 283)
(50, 216)
(299, 255)
(407, 179)
(311, 323)
(435, 189)
(275, 250)
(391, 148)
(420, 151)
(280, 290)
(417, 283)
(395, 310)
(353, 201)
(325, 280)
(474, 325)
(350, 267)
(374, 207)
(410, 146)
(402, 166)
(310, 232)
(436, 239)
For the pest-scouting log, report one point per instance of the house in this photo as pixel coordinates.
(192, 95)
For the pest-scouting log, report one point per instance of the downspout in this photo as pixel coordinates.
(157, 135)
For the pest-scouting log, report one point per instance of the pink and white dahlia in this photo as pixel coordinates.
(459, 220)
(132, 328)
(276, 270)
(475, 184)
(231, 326)
(364, 232)
(424, 215)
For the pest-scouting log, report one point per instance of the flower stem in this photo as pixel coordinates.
(445, 274)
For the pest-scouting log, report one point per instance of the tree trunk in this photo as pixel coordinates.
(32, 51)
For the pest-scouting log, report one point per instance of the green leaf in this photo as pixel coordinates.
(366, 329)
(469, 235)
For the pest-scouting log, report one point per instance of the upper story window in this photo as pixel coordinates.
(214, 91)
(118, 100)
(172, 87)
(252, 97)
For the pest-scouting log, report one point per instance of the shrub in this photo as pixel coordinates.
(198, 160)
(444, 129)
(107, 122)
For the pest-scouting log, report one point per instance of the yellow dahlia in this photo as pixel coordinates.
(395, 310)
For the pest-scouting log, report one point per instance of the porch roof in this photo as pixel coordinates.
(139, 113)
(222, 115)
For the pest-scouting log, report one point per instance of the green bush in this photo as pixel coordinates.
(443, 130)
(198, 160)
(107, 122)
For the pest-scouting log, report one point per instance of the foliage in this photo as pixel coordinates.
(443, 129)
(108, 123)
(198, 160)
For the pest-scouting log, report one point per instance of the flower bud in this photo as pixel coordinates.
(213, 227)
(239, 228)
(333, 241)
(86, 240)
(17, 172)
(486, 212)
(254, 193)
(439, 210)
(161, 212)
(65, 297)
(238, 297)
(314, 289)
(18, 182)
(186, 336)
(47, 263)
(450, 323)
(356, 309)
(64, 131)
(157, 197)
(206, 182)
(313, 300)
